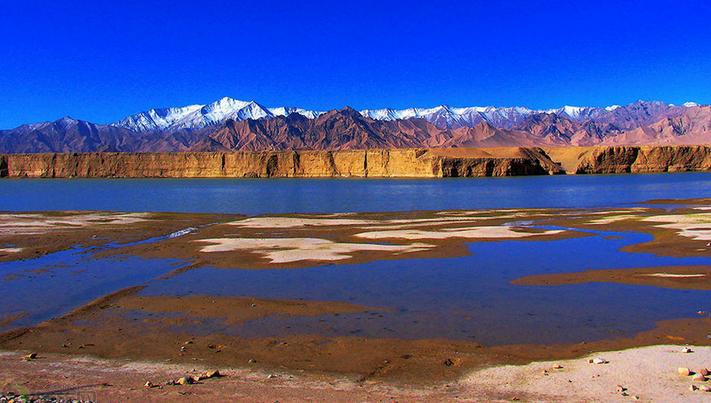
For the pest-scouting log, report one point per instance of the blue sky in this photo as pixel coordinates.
(101, 60)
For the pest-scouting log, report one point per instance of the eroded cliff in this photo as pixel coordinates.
(420, 163)
(644, 159)
(417, 163)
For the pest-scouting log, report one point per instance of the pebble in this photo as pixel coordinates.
(699, 377)
(557, 366)
(693, 388)
(448, 362)
(30, 356)
(704, 371)
(271, 376)
(705, 388)
(184, 380)
(687, 350)
(252, 361)
(620, 389)
(148, 384)
(213, 373)
(598, 360)
(684, 371)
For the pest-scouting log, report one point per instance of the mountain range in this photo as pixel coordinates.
(231, 125)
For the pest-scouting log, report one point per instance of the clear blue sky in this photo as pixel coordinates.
(101, 60)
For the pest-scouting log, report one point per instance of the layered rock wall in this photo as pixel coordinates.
(644, 159)
(413, 163)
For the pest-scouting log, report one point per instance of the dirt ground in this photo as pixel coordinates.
(645, 374)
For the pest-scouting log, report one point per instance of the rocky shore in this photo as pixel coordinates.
(375, 163)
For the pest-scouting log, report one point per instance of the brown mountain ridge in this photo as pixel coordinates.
(347, 129)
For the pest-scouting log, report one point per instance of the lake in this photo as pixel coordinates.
(265, 196)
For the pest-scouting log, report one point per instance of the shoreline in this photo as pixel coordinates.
(203, 327)
(640, 373)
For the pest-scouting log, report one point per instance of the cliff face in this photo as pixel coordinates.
(3, 166)
(263, 164)
(416, 163)
(646, 159)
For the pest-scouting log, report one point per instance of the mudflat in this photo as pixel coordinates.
(198, 313)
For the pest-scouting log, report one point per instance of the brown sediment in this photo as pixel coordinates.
(303, 240)
(110, 327)
(694, 201)
(299, 240)
(33, 234)
(11, 318)
(667, 240)
(232, 310)
(343, 239)
(678, 277)
(105, 328)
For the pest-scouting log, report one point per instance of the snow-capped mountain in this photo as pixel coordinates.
(232, 125)
(199, 116)
(452, 117)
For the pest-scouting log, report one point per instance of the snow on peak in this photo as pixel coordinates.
(690, 104)
(199, 116)
(572, 111)
(226, 108)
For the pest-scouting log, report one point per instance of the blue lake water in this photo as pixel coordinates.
(468, 297)
(57, 283)
(262, 196)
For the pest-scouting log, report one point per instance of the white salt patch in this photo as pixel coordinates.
(609, 220)
(296, 222)
(300, 222)
(672, 275)
(694, 226)
(496, 232)
(612, 212)
(37, 223)
(458, 213)
(698, 218)
(286, 250)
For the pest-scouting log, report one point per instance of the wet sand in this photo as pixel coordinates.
(34, 234)
(677, 277)
(188, 330)
(297, 240)
(293, 241)
(111, 327)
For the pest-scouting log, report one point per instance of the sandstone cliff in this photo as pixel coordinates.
(421, 163)
(644, 159)
(414, 163)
